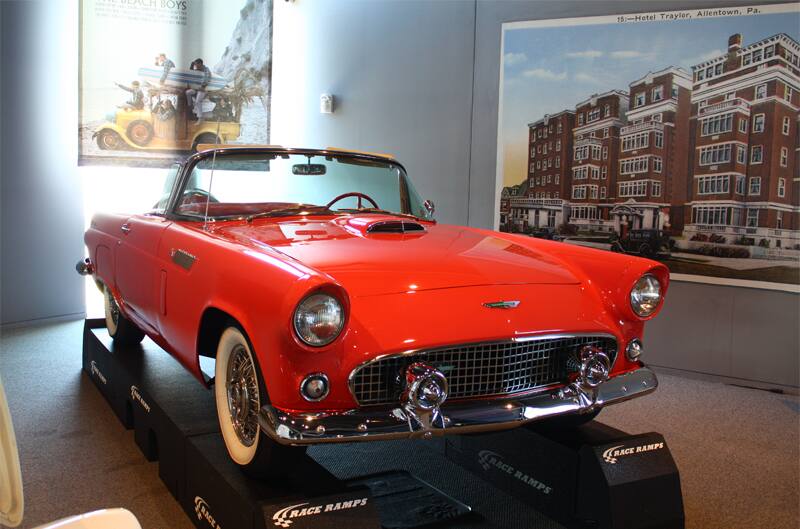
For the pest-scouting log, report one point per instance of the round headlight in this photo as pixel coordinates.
(646, 295)
(318, 319)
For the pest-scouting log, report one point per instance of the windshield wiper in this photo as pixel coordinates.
(286, 212)
(378, 210)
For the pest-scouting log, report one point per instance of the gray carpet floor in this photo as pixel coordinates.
(738, 449)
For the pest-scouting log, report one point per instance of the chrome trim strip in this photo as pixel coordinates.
(515, 339)
(455, 418)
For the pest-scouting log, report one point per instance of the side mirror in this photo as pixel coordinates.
(429, 207)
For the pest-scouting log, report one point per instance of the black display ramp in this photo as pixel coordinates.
(590, 477)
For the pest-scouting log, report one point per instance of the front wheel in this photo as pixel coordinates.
(240, 392)
(121, 329)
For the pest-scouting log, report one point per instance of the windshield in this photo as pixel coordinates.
(268, 184)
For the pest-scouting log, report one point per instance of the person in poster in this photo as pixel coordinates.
(196, 96)
(166, 64)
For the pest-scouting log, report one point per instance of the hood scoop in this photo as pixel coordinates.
(395, 226)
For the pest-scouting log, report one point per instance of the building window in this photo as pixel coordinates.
(657, 164)
(556, 179)
(605, 132)
(580, 118)
(549, 163)
(657, 94)
(603, 192)
(781, 187)
(752, 218)
(743, 125)
(584, 212)
(729, 96)
(786, 125)
(595, 173)
(595, 152)
(769, 51)
(594, 115)
(637, 188)
(715, 154)
(758, 123)
(606, 110)
(579, 192)
(713, 185)
(659, 137)
(741, 154)
(549, 178)
(592, 191)
(580, 173)
(740, 180)
(784, 156)
(539, 148)
(532, 168)
(779, 220)
(538, 180)
(559, 128)
(633, 165)
(757, 55)
(558, 162)
(633, 142)
(656, 187)
(555, 193)
(761, 91)
(787, 92)
(533, 152)
(550, 129)
(603, 172)
(538, 164)
(605, 153)
(581, 153)
(675, 90)
(710, 215)
(700, 75)
(638, 100)
(746, 59)
(755, 185)
(657, 117)
(558, 145)
(717, 124)
(756, 154)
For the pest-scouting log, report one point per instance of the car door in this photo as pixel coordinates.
(138, 272)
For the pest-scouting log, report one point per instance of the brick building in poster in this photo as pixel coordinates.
(712, 152)
(745, 143)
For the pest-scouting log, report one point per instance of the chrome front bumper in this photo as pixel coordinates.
(367, 424)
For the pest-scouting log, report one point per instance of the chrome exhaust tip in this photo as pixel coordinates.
(85, 267)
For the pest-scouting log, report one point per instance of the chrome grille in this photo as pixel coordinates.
(483, 369)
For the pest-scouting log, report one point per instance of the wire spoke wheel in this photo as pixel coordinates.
(242, 392)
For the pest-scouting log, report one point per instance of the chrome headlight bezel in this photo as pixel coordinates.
(646, 296)
(318, 306)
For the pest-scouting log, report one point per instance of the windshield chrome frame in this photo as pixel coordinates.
(189, 164)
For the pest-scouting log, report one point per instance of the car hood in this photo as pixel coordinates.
(368, 262)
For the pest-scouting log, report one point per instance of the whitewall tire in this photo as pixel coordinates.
(238, 396)
(120, 328)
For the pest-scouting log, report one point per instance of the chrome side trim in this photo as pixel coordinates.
(516, 339)
(374, 424)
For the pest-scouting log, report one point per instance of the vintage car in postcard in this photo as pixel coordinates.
(338, 310)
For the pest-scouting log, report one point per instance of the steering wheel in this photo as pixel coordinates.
(196, 195)
(360, 196)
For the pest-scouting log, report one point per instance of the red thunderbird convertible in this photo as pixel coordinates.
(338, 310)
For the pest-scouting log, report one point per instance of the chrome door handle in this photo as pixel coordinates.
(126, 228)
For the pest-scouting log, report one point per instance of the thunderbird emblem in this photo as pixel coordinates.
(502, 304)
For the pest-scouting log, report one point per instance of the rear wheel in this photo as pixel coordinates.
(645, 250)
(120, 328)
(240, 392)
(140, 132)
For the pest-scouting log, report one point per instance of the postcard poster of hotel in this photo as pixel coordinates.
(671, 135)
(159, 77)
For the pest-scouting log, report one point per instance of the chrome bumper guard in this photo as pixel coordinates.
(472, 416)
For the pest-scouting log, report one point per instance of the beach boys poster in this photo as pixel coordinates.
(159, 77)
(671, 135)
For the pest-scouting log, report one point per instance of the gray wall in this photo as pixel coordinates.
(41, 212)
(734, 332)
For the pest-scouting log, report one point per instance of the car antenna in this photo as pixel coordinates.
(211, 178)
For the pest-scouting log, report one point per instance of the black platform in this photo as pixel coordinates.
(550, 475)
